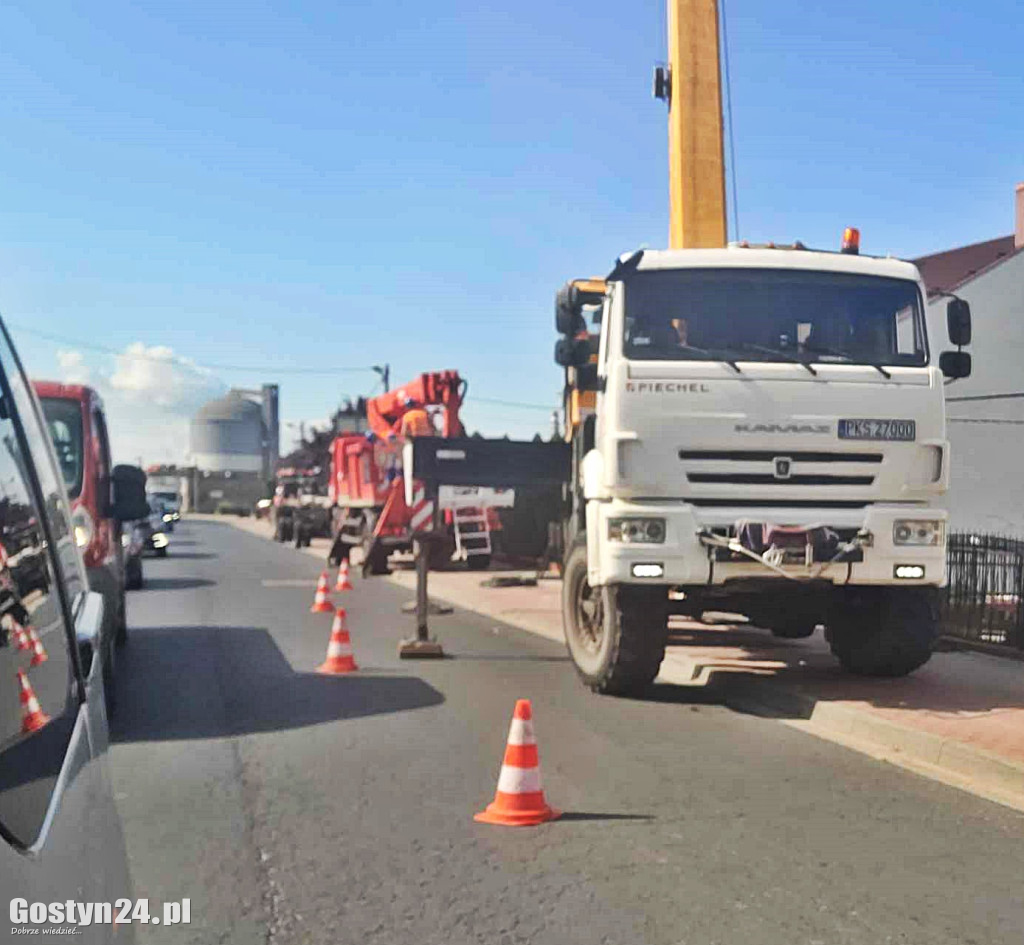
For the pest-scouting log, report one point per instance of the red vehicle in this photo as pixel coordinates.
(78, 428)
(367, 488)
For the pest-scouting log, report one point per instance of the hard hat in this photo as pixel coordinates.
(410, 402)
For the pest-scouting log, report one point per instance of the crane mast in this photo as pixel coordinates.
(693, 88)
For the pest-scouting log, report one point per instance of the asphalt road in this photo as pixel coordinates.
(296, 808)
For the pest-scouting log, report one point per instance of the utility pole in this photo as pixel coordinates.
(692, 86)
(385, 375)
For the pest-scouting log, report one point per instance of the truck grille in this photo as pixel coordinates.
(777, 471)
(760, 479)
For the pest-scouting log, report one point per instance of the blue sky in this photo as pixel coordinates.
(322, 186)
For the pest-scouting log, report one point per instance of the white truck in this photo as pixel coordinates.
(758, 430)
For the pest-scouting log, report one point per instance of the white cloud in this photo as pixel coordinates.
(157, 375)
(150, 397)
(73, 368)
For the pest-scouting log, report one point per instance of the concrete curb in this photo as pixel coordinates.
(952, 762)
(946, 760)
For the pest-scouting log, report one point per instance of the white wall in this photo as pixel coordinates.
(987, 489)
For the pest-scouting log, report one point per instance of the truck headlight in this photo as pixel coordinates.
(909, 531)
(642, 531)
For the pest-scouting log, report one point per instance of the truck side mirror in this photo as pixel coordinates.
(955, 364)
(129, 493)
(958, 322)
(568, 319)
(576, 352)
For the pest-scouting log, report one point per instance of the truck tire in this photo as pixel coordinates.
(478, 562)
(885, 631)
(616, 635)
(121, 632)
(794, 630)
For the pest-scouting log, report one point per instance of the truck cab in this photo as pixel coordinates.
(767, 436)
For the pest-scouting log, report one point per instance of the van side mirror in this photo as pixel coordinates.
(955, 364)
(129, 493)
(958, 322)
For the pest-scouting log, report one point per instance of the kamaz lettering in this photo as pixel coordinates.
(816, 428)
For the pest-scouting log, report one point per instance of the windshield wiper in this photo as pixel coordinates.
(836, 353)
(778, 352)
(714, 356)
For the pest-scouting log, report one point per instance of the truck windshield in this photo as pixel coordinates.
(773, 315)
(64, 418)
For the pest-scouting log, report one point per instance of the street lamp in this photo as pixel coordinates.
(384, 370)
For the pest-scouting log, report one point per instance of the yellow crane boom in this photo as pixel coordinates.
(693, 88)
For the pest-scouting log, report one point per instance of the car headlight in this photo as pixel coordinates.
(909, 531)
(168, 517)
(159, 540)
(82, 526)
(643, 531)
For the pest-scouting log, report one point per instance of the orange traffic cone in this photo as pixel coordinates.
(32, 717)
(38, 653)
(21, 637)
(339, 650)
(321, 602)
(519, 801)
(343, 583)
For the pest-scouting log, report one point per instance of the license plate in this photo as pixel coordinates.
(904, 431)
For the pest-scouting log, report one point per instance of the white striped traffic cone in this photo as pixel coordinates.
(343, 583)
(38, 653)
(519, 800)
(322, 602)
(339, 650)
(33, 717)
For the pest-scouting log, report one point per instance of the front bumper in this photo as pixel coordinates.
(685, 560)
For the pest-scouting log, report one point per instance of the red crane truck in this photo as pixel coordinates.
(367, 487)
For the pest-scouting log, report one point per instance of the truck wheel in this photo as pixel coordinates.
(796, 630)
(616, 635)
(885, 632)
(478, 562)
(121, 633)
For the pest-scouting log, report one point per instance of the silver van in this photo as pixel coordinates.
(60, 834)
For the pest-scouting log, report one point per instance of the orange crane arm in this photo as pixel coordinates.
(439, 388)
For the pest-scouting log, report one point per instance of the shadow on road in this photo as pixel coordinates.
(585, 815)
(511, 657)
(216, 682)
(175, 583)
(749, 669)
(189, 555)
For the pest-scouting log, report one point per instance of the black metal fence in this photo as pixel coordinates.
(985, 599)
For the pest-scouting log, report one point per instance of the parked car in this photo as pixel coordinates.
(60, 834)
(78, 427)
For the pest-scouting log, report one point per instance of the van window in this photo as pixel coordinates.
(38, 683)
(64, 418)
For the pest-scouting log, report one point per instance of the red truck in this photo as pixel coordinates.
(367, 488)
(78, 428)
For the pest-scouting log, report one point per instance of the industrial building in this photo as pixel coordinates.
(985, 412)
(234, 445)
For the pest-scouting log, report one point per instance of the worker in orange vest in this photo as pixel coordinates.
(416, 420)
